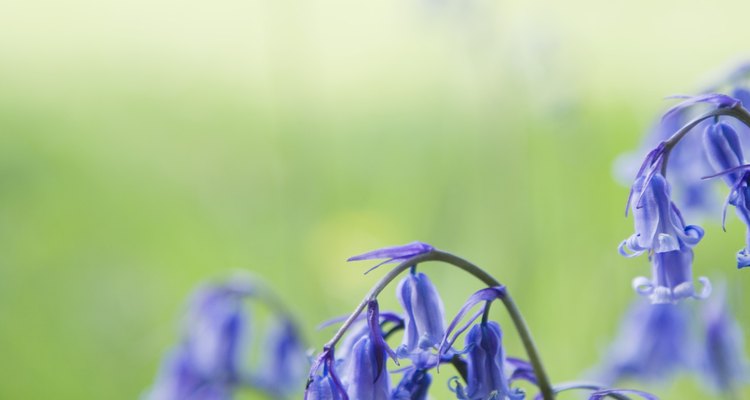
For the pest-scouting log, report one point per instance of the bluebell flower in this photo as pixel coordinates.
(282, 367)
(661, 231)
(724, 363)
(485, 375)
(364, 373)
(424, 322)
(215, 331)
(414, 385)
(208, 361)
(324, 382)
(394, 254)
(179, 380)
(725, 153)
(653, 342)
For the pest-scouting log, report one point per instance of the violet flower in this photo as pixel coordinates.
(364, 374)
(661, 231)
(424, 319)
(725, 153)
(653, 342)
(485, 375)
(414, 385)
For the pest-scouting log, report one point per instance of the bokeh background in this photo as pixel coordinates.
(148, 146)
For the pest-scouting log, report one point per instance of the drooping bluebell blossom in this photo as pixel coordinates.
(414, 385)
(725, 153)
(179, 380)
(661, 231)
(424, 322)
(215, 331)
(485, 375)
(394, 254)
(208, 361)
(282, 367)
(653, 342)
(364, 373)
(724, 363)
(324, 382)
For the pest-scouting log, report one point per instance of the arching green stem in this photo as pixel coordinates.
(436, 255)
(738, 112)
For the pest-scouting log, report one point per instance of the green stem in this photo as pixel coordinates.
(436, 255)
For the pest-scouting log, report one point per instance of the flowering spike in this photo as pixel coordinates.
(425, 316)
(394, 253)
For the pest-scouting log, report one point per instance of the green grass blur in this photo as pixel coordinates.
(147, 146)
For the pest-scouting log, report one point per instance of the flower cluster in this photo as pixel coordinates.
(660, 228)
(207, 364)
(357, 367)
(659, 335)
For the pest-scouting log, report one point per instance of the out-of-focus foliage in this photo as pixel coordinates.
(148, 146)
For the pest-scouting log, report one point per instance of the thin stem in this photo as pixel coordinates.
(486, 313)
(738, 112)
(436, 255)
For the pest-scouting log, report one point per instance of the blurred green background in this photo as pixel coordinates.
(147, 146)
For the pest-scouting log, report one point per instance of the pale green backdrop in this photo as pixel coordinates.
(146, 146)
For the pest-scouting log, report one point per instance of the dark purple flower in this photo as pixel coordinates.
(413, 386)
(725, 153)
(661, 231)
(425, 317)
(485, 374)
(323, 382)
(394, 254)
(364, 372)
(653, 342)
(724, 363)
